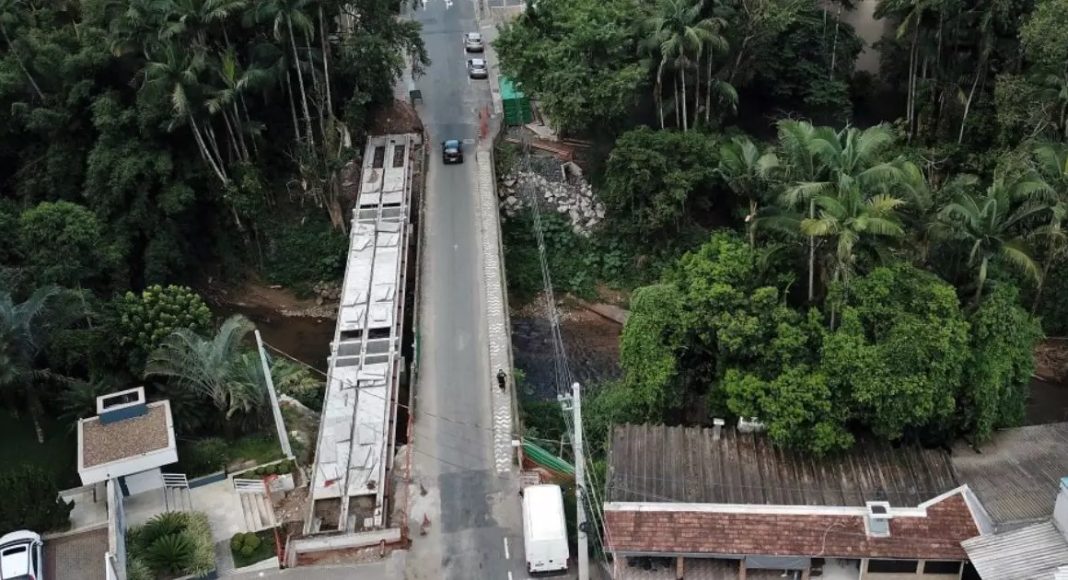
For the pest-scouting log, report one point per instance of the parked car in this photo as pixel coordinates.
(476, 68)
(452, 151)
(20, 556)
(473, 42)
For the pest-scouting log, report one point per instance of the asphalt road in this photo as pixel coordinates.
(475, 528)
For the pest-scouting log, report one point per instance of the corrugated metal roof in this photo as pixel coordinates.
(1017, 474)
(655, 463)
(1033, 552)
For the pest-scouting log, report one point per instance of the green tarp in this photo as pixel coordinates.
(516, 104)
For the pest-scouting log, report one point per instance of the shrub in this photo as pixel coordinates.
(31, 501)
(251, 547)
(292, 244)
(144, 320)
(172, 543)
(172, 553)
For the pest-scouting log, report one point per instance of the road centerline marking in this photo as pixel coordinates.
(507, 556)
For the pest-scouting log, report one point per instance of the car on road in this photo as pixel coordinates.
(476, 68)
(20, 556)
(452, 151)
(473, 42)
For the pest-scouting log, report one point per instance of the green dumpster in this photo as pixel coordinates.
(516, 104)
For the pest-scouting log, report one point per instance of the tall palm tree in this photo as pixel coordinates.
(213, 368)
(679, 32)
(25, 329)
(822, 161)
(177, 75)
(847, 219)
(287, 16)
(747, 171)
(994, 223)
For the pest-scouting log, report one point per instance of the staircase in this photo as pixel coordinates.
(176, 492)
(255, 504)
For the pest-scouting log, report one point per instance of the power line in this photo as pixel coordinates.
(363, 392)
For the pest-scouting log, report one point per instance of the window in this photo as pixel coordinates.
(941, 567)
(892, 566)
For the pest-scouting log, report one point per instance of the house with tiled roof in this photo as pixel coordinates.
(721, 503)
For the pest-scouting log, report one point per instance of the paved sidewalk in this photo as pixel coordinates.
(500, 347)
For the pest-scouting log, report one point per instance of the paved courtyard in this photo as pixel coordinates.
(77, 556)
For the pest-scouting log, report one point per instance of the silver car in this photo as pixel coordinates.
(20, 556)
(476, 68)
(473, 42)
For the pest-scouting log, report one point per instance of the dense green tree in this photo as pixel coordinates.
(653, 177)
(900, 350)
(32, 501)
(793, 71)
(798, 407)
(145, 320)
(998, 372)
(64, 243)
(579, 58)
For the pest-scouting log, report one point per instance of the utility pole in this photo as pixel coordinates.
(279, 424)
(580, 484)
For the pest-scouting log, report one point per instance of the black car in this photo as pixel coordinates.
(452, 151)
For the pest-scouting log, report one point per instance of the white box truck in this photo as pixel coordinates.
(544, 529)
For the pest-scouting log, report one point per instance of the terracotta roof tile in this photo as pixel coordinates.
(936, 536)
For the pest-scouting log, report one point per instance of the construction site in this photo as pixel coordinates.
(367, 365)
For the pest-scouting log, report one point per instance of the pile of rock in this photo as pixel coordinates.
(572, 197)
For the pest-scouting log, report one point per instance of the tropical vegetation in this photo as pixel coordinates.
(832, 252)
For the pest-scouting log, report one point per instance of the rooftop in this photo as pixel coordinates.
(655, 463)
(1018, 473)
(934, 530)
(105, 443)
(1034, 552)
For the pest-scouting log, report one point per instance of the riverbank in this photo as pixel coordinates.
(592, 342)
(300, 327)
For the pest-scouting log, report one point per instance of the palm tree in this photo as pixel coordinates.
(287, 16)
(678, 31)
(1051, 165)
(847, 219)
(177, 75)
(213, 368)
(994, 224)
(25, 329)
(836, 164)
(747, 170)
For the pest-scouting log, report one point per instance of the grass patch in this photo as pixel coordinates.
(203, 456)
(251, 547)
(56, 456)
(258, 448)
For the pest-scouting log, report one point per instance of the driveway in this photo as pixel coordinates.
(77, 556)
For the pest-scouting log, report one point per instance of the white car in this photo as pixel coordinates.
(473, 42)
(20, 556)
